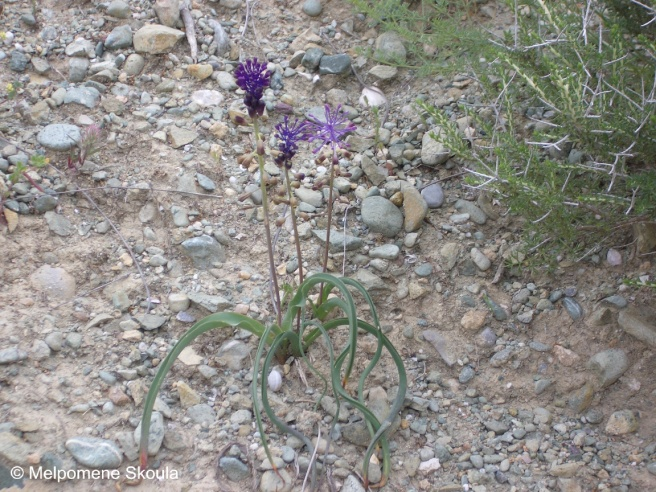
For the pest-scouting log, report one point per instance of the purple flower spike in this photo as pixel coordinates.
(289, 135)
(253, 77)
(333, 130)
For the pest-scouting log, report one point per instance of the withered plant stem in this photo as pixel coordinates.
(267, 228)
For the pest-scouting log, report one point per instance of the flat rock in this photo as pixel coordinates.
(234, 354)
(415, 209)
(180, 137)
(639, 322)
(156, 39)
(55, 282)
(376, 174)
(84, 96)
(11, 355)
(372, 283)
(152, 321)
(386, 252)
(313, 197)
(608, 366)
(383, 72)
(59, 136)
(338, 240)
(335, 64)
(441, 344)
(433, 153)
(201, 414)
(207, 98)
(381, 215)
(213, 304)
(204, 251)
(95, 453)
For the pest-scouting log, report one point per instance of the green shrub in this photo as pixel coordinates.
(569, 140)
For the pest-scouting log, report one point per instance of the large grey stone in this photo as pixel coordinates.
(59, 136)
(77, 69)
(204, 251)
(434, 195)
(233, 354)
(376, 174)
(118, 9)
(381, 215)
(235, 469)
(94, 452)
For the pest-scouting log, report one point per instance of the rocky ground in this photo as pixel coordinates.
(517, 382)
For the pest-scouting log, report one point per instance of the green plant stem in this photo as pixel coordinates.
(294, 226)
(267, 228)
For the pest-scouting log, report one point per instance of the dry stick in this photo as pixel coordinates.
(312, 458)
(190, 30)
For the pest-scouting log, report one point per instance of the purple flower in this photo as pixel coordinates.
(289, 135)
(333, 129)
(253, 77)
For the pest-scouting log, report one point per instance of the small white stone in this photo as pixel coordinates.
(275, 381)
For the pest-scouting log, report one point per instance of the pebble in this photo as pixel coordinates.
(234, 468)
(312, 8)
(433, 195)
(478, 257)
(88, 97)
(424, 270)
(11, 355)
(390, 48)
(338, 241)
(608, 366)
(156, 39)
(475, 213)
(386, 252)
(639, 322)
(467, 373)
(233, 353)
(59, 136)
(573, 308)
(415, 209)
(95, 453)
(335, 64)
(155, 433)
(272, 482)
(119, 38)
(473, 320)
(201, 414)
(622, 422)
(204, 251)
